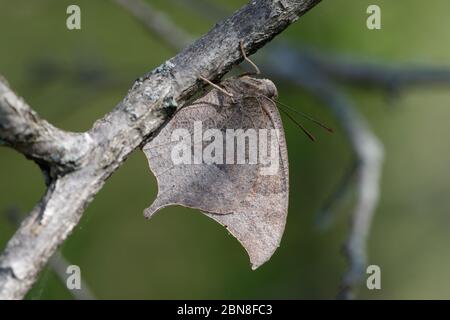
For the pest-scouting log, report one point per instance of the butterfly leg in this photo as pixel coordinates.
(217, 87)
(256, 71)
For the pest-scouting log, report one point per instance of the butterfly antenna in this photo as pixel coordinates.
(304, 115)
(310, 136)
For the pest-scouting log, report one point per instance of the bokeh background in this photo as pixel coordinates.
(74, 77)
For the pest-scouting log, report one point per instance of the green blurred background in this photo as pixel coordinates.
(74, 77)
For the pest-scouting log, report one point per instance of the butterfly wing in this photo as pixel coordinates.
(250, 203)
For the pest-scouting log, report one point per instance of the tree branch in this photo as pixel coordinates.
(368, 153)
(57, 262)
(141, 113)
(314, 71)
(152, 19)
(378, 75)
(59, 265)
(21, 128)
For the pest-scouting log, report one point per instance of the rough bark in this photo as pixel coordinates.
(22, 129)
(75, 180)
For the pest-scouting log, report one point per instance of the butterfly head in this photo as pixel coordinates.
(250, 86)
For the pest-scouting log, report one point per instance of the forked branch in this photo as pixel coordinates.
(113, 138)
(21, 128)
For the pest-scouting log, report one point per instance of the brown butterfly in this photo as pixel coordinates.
(226, 155)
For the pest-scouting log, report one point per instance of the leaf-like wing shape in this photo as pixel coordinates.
(248, 197)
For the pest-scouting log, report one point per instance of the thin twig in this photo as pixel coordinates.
(368, 152)
(366, 147)
(157, 21)
(357, 71)
(326, 215)
(60, 265)
(57, 262)
(342, 67)
(314, 70)
(204, 8)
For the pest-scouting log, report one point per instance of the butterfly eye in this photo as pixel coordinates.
(271, 90)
